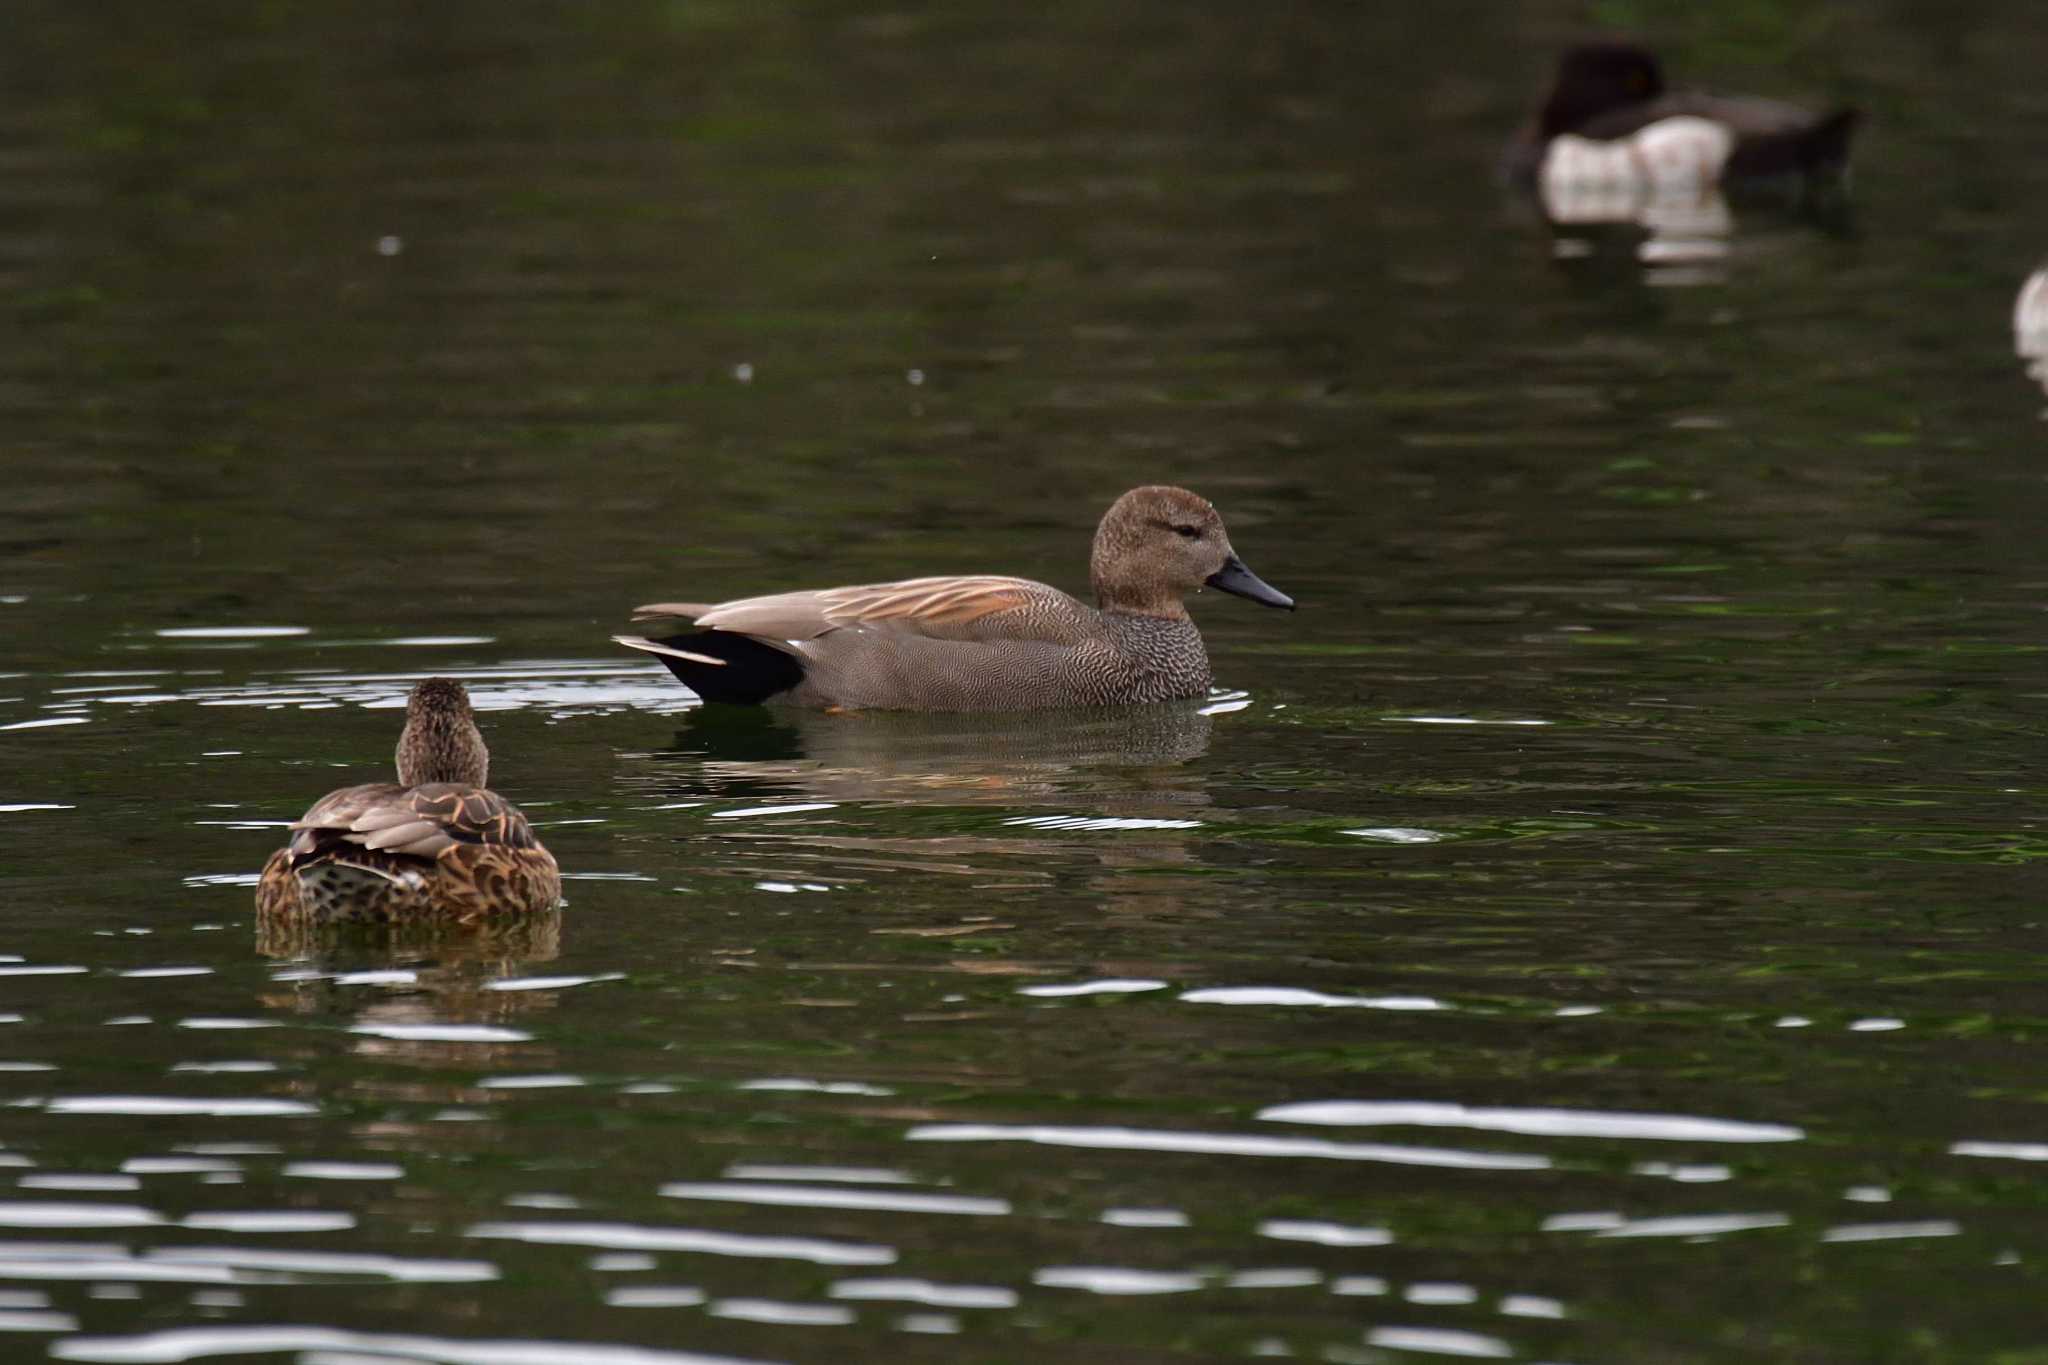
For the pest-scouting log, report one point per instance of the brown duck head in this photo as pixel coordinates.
(1157, 544)
(1596, 78)
(440, 742)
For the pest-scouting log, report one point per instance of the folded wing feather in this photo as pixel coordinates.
(422, 822)
(953, 608)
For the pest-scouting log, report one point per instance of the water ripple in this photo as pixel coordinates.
(1117, 1280)
(816, 1197)
(924, 1291)
(1291, 995)
(198, 1343)
(1226, 1144)
(153, 1105)
(631, 1237)
(1530, 1122)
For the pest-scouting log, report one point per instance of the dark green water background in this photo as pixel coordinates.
(1626, 869)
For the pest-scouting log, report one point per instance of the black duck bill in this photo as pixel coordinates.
(1236, 579)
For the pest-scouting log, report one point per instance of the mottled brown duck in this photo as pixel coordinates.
(979, 642)
(435, 844)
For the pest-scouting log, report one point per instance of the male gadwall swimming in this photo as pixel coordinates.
(1608, 109)
(980, 642)
(435, 843)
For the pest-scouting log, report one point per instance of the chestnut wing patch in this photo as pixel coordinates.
(928, 604)
(952, 608)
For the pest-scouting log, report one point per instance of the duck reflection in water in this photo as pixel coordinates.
(433, 1001)
(1611, 149)
(1133, 768)
(992, 758)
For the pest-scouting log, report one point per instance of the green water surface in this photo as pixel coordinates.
(1604, 924)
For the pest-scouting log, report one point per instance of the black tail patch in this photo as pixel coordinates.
(1818, 150)
(752, 672)
(1826, 145)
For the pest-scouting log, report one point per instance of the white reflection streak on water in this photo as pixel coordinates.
(48, 1214)
(198, 1343)
(442, 1033)
(1117, 1280)
(1274, 1277)
(557, 685)
(1889, 1232)
(398, 1269)
(1396, 834)
(1294, 995)
(1324, 1234)
(232, 1265)
(83, 1181)
(654, 1296)
(342, 1170)
(232, 632)
(269, 1220)
(12, 1320)
(151, 1105)
(632, 1237)
(747, 812)
(850, 1175)
(1226, 1144)
(1145, 1218)
(1109, 986)
(1440, 1341)
(779, 1313)
(177, 1165)
(551, 983)
(2015, 1151)
(1530, 1122)
(814, 1197)
(802, 1084)
(1696, 1225)
(1099, 822)
(926, 1292)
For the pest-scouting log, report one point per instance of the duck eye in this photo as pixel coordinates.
(1189, 532)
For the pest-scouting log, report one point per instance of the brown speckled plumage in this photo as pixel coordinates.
(979, 643)
(436, 843)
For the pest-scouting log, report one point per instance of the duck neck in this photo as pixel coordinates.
(442, 749)
(1163, 604)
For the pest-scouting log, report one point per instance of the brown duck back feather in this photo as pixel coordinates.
(383, 851)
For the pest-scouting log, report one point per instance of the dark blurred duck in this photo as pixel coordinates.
(1608, 112)
(435, 844)
(979, 643)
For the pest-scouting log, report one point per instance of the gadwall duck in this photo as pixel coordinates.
(436, 843)
(1608, 114)
(979, 643)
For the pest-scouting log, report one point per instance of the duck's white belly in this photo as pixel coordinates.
(1672, 155)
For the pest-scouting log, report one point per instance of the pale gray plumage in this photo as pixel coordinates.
(979, 642)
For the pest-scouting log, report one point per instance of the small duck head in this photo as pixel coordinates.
(1594, 78)
(440, 742)
(1158, 543)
